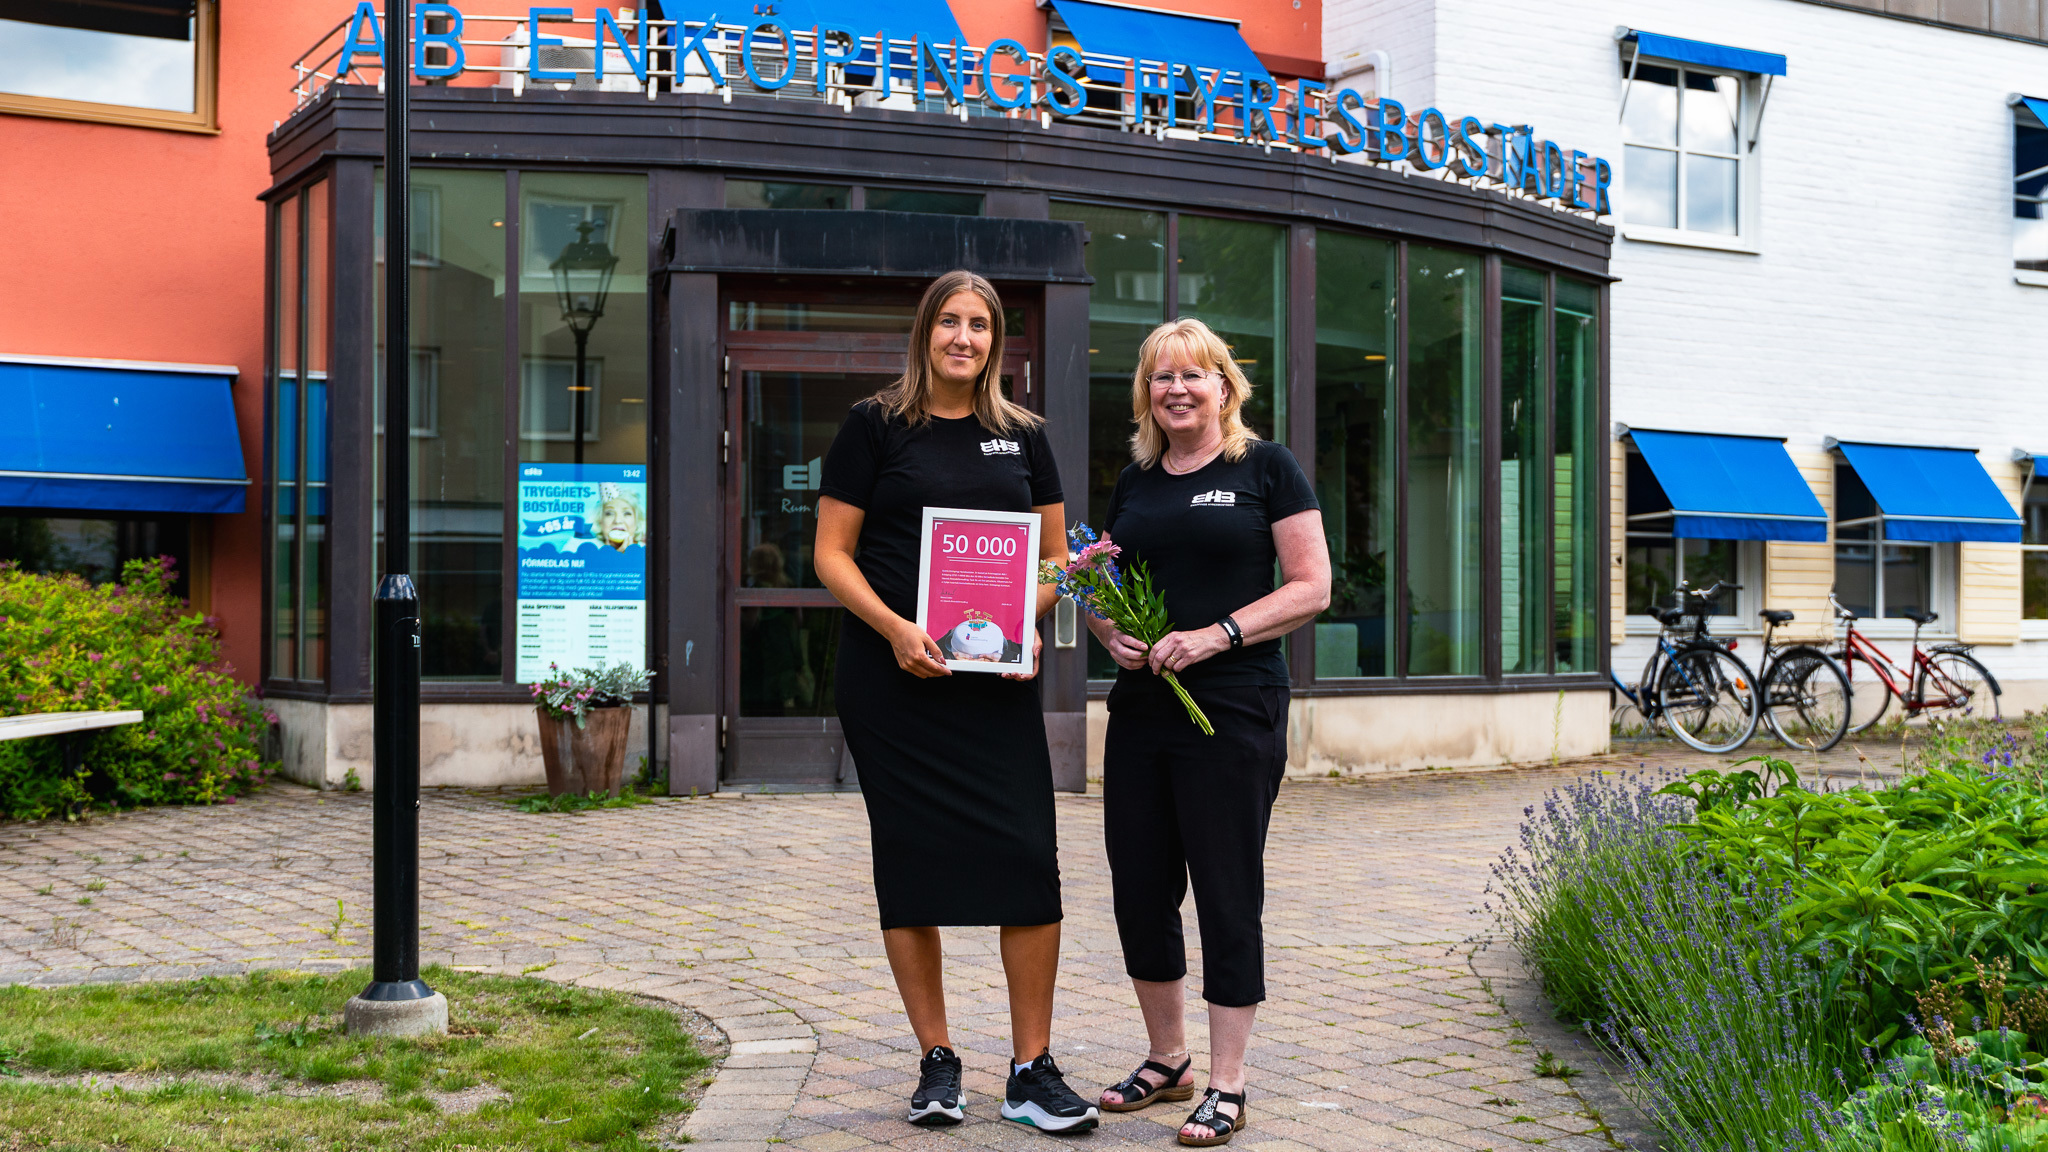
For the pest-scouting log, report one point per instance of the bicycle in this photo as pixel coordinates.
(1696, 687)
(1944, 679)
(1806, 694)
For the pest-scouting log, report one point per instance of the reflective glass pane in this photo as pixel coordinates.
(810, 316)
(787, 655)
(284, 449)
(1908, 582)
(2034, 584)
(607, 398)
(1233, 277)
(1649, 187)
(1651, 566)
(918, 200)
(1711, 187)
(1577, 486)
(1126, 254)
(1712, 111)
(1652, 114)
(1355, 442)
(97, 548)
(1704, 563)
(133, 55)
(789, 420)
(458, 417)
(1856, 577)
(1445, 462)
(313, 548)
(1524, 550)
(771, 194)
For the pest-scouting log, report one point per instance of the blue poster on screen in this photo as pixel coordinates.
(582, 566)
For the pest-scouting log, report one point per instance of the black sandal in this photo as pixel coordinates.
(1139, 1094)
(1208, 1117)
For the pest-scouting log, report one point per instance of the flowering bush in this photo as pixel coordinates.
(68, 646)
(571, 695)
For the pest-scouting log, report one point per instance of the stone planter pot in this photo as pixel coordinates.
(587, 759)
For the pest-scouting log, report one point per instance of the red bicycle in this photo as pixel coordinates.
(1944, 680)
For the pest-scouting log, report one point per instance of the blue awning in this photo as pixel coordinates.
(1158, 37)
(1705, 54)
(2038, 107)
(1938, 494)
(1732, 487)
(118, 438)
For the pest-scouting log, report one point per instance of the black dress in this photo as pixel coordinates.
(954, 769)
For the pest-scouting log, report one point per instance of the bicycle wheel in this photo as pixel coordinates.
(1806, 700)
(1709, 697)
(1869, 695)
(1957, 686)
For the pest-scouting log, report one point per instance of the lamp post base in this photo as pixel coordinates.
(424, 1016)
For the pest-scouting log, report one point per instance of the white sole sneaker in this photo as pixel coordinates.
(936, 1115)
(1030, 1113)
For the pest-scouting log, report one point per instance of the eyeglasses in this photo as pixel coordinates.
(1189, 378)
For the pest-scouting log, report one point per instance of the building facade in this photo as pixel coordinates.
(1830, 236)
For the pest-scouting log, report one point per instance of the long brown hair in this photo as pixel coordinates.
(911, 395)
(1202, 348)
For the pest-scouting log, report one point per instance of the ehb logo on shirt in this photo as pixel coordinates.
(1213, 499)
(1001, 448)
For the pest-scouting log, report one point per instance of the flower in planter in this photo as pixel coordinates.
(571, 695)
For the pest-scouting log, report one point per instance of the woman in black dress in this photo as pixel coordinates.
(954, 769)
(1210, 509)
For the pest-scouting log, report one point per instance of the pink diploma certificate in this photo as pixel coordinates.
(977, 587)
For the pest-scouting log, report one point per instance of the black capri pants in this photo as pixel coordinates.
(1178, 805)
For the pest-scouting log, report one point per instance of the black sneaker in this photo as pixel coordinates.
(939, 1097)
(1039, 1096)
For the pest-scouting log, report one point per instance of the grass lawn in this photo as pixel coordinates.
(261, 1063)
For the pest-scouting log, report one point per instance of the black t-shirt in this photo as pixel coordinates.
(892, 471)
(1208, 539)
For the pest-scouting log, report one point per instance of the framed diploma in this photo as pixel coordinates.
(977, 587)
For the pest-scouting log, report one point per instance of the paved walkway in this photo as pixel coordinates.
(758, 911)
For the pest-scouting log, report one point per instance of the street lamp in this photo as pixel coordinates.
(583, 278)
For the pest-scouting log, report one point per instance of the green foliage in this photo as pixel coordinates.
(568, 695)
(567, 1068)
(572, 802)
(69, 646)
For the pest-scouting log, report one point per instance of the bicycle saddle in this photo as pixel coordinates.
(1922, 618)
(1777, 615)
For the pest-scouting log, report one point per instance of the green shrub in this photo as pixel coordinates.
(69, 646)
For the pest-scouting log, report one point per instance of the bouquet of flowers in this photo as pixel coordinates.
(1123, 596)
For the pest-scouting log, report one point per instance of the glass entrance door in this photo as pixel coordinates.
(794, 367)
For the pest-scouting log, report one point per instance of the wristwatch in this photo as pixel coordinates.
(1231, 630)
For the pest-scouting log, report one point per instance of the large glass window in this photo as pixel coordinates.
(1682, 160)
(299, 445)
(1879, 578)
(557, 210)
(2029, 192)
(1233, 277)
(1576, 479)
(96, 547)
(1354, 472)
(1445, 462)
(143, 62)
(458, 428)
(1524, 435)
(2034, 549)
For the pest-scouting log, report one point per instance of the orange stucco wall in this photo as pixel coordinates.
(143, 244)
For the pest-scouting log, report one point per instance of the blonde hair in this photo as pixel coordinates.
(911, 395)
(1201, 348)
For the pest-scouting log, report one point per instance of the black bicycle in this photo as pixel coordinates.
(1806, 693)
(1693, 685)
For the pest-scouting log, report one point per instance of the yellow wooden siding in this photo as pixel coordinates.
(1800, 576)
(1617, 518)
(1988, 585)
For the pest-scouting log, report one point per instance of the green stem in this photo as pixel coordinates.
(1194, 710)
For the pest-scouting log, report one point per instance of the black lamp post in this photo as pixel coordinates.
(583, 278)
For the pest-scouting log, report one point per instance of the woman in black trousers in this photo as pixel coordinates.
(1210, 508)
(954, 769)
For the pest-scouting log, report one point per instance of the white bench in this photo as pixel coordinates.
(65, 724)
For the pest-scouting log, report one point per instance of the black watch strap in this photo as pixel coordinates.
(1235, 633)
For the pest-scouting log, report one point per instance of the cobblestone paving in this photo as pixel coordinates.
(759, 912)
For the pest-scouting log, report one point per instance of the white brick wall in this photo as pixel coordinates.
(1882, 303)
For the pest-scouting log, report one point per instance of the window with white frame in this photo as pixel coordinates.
(1879, 578)
(1655, 562)
(2029, 190)
(2034, 548)
(1684, 155)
